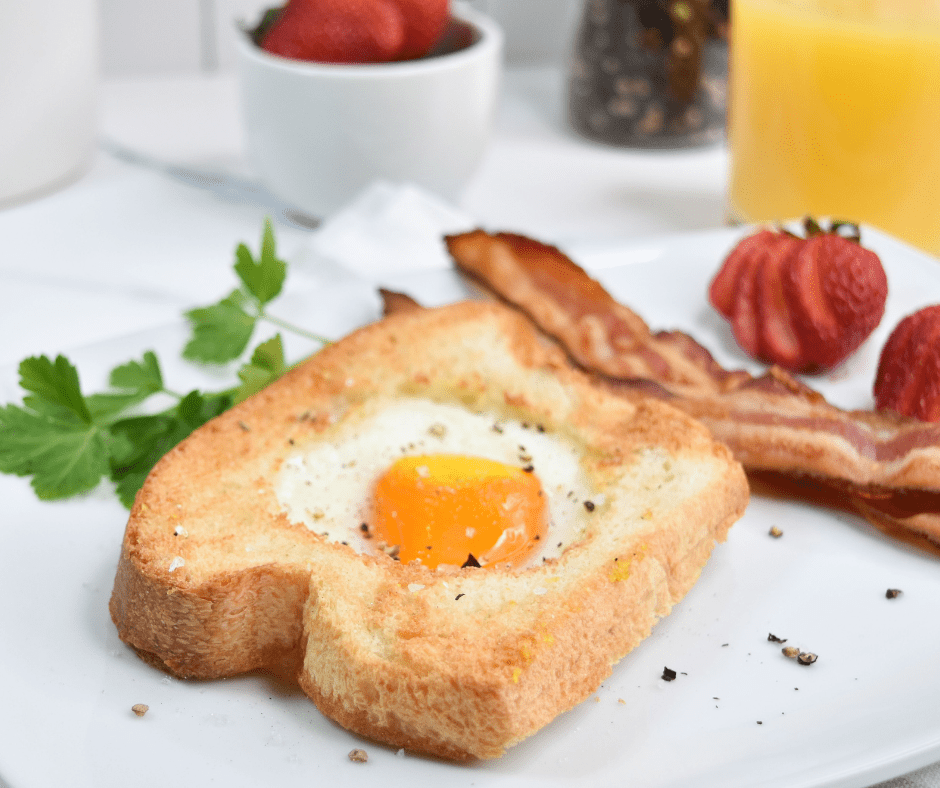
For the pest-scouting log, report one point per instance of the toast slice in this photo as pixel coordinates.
(236, 556)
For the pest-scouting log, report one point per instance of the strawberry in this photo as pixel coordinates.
(748, 321)
(338, 31)
(837, 290)
(724, 287)
(425, 21)
(779, 343)
(802, 303)
(356, 31)
(908, 379)
(744, 318)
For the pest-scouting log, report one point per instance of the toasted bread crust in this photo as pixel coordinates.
(214, 579)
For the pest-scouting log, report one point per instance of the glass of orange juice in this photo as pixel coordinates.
(835, 111)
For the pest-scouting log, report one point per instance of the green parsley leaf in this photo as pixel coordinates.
(55, 384)
(196, 408)
(143, 377)
(264, 277)
(145, 439)
(67, 442)
(65, 456)
(138, 379)
(267, 365)
(221, 332)
(53, 437)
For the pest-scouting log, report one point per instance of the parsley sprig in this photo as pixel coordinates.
(68, 441)
(222, 331)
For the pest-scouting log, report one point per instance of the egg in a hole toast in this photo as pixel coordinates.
(259, 537)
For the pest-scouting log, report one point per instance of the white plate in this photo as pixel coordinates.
(739, 713)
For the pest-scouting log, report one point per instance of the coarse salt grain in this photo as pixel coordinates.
(415, 587)
(176, 563)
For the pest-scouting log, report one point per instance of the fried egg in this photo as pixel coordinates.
(439, 484)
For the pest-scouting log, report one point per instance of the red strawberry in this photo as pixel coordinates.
(908, 379)
(744, 317)
(804, 304)
(338, 31)
(837, 291)
(425, 21)
(748, 291)
(724, 287)
(779, 342)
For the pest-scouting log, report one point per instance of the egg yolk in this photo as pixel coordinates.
(442, 508)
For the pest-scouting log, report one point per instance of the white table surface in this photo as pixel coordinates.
(125, 249)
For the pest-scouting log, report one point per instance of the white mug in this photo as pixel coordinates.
(318, 133)
(48, 94)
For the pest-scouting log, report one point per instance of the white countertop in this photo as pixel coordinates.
(125, 249)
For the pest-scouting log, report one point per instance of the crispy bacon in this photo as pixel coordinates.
(393, 301)
(885, 467)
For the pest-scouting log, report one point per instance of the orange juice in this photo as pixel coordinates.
(835, 111)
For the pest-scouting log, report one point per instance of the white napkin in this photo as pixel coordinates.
(387, 229)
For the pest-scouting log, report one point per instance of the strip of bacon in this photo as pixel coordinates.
(885, 467)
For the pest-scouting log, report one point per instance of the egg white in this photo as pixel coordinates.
(328, 486)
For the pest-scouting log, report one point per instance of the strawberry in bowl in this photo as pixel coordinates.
(339, 94)
(354, 31)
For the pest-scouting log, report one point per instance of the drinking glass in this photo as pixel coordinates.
(834, 111)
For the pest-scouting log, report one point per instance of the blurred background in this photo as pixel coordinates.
(141, 37)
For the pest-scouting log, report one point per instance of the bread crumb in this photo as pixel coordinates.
(176, 563)
(140, 709)
(358, 756)
(775, 532)
(621, 701)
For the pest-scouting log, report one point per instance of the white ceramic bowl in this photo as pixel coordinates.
(318, 133)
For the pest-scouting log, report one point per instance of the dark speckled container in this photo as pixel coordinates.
(650, 73)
